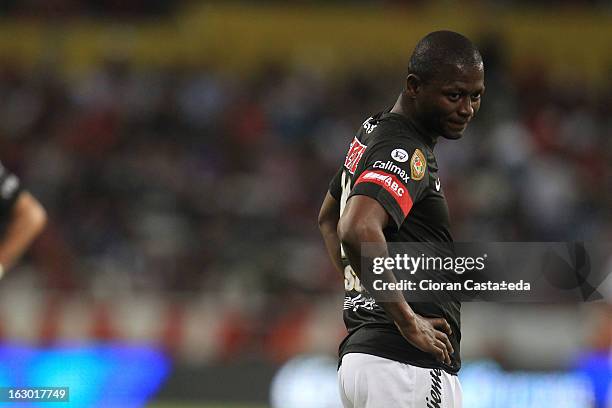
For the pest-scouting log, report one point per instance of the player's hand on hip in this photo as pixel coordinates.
(429, 335)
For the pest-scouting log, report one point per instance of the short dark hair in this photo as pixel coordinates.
(442, 49)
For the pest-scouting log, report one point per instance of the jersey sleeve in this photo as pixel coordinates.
(10, 188)
(335, 185)
(395, 175)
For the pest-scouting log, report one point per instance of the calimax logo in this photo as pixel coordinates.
(390, 166)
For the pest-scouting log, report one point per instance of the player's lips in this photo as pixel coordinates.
(457, 125)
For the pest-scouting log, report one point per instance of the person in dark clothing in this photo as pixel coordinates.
(397, 353)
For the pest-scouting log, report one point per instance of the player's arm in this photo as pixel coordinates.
(329, 216)
(363, 221)
(26, 220)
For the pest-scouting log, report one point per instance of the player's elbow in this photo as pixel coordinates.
(322, 220)
(328, 214)
(326, 222)
(33, 213)
(38, 218)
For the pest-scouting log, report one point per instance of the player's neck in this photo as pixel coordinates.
(404, 107)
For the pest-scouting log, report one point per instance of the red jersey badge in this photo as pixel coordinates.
(354, 155)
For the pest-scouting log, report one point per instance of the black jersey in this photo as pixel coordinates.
(390, 161)
(10, 188)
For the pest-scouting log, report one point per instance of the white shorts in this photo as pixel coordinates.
(368, 381)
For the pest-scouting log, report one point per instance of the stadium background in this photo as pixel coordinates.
(182, 150)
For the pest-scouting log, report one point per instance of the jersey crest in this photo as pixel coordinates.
(418, 164)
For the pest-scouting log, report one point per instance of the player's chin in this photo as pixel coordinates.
(452, 130)
(452, 134)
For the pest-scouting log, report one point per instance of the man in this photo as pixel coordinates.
(22, 216)
(400, 354)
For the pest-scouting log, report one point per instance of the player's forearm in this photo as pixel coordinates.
(332, 244)
(329, 216)
(27, 221)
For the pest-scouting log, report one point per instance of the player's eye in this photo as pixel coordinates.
(476, 97)
(453, 96)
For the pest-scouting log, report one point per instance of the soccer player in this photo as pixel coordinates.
(397, 353)
(23, 218)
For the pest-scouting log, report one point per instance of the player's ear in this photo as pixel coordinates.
(413, 85)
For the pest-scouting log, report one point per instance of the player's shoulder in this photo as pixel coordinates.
(391, 145)
(388, 130)
(396, 142)
(4, 171)
(386, 136)
(379, 127)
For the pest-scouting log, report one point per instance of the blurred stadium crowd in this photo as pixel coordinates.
(183, 195)
(189, 179)
(183, 198)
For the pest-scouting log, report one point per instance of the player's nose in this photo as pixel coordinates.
(466, 109)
